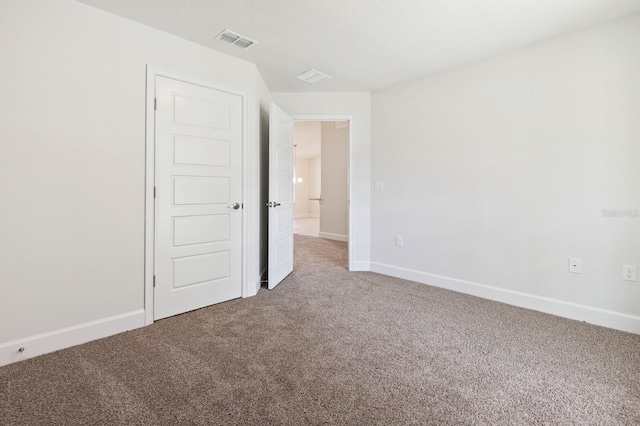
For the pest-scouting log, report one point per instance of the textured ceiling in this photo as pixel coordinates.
(367, 44)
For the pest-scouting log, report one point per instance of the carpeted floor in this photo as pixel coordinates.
(332, 347)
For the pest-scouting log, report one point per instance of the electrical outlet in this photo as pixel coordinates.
(575, 265)
(379, 185)
(399, 241)
(628, 272)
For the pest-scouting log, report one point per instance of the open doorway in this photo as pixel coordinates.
(321, 179)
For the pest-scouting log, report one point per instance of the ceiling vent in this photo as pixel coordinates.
(312, 76)
(235, 39)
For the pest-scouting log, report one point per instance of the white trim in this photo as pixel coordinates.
(592, 315)
(335, 237)
(152, 73)
(352, 178)
(149, 202)
(44, 343)
(246, 288)
(360, 265)
(253, 289)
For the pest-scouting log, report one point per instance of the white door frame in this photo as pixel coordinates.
(351, 171)
(149, 228)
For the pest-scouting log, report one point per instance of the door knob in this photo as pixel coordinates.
(234, 206)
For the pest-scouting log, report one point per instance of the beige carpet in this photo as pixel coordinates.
(332, 347)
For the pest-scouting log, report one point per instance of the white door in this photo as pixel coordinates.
(198, 206)
(280, 203)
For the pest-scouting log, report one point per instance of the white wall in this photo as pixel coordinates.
(306, 135)
(307, 138)
(334, 210)
(497, 172)
(358, 106)
(72, 159)
(315, 188)
(302, 203)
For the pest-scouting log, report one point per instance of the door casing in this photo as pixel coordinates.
(149, 230)
(350, 172)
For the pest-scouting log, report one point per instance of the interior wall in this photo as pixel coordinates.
(315, 188)
(72, 160)
(307, 138)
(334, 211)
(495, 173)
(301, 205)
(358, 106)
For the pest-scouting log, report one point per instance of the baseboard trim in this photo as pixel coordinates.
(44, 343)
(258, 284)
(253, 289)
(589, 314)
(359, 266)
(335, 237)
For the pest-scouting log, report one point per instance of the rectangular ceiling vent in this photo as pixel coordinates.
(235, 39)
(312, 76)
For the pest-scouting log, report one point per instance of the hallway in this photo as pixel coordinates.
(309, 226)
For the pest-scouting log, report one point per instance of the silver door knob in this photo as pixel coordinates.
(234, 206)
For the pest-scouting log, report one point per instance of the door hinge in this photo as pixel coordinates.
(155, 104)
(154, 192)
(154, 281)
(242, 206)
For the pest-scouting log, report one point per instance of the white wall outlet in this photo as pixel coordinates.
(629, 272)
(575, 265)
(379, 185)
(399, 241)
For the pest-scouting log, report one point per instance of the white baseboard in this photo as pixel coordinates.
(71, 336)
(252, 289)
(258, 283)
(261, 277)
(589, 314)
(336, 237)
(357, 266)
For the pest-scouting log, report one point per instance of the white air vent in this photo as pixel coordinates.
(235, 39)
(312, 76)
